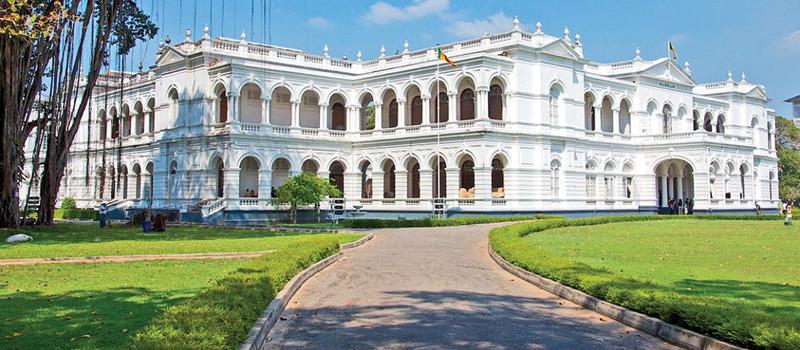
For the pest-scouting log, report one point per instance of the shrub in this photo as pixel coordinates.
(433, 222)
(68, 203)
(77, 214)
(221, 316)
(709, 315)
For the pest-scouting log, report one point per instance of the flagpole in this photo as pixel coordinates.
(438, 135)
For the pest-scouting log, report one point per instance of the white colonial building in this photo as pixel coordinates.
(523, 123)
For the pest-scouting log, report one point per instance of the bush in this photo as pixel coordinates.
(77, 214)
(433, 222)
(68, 203)
(709, 315)
(221, 316)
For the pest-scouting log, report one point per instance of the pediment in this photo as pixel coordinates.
(170, 55)
(758, 93)
(560, 48)
(667, 70)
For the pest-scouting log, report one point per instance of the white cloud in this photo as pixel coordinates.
(790, 42)
(382, 12)
(319, 22)
(496, 23)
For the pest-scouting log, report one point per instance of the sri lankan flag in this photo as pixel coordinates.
(672, 50)
(440, 55)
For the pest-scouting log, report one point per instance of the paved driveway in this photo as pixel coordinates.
(438, 288)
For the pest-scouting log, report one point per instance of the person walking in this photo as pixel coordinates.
(788, 220)
(103, 211)
(780, 207)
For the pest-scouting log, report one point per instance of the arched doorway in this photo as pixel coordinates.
(250, 104)
(439, 177)
(412, 167)
(310, 167)
(137, 173)
(389, 185)
(498, 178)
(280, 172)
(222, 104)
(219, 176)
(337, 175)
(248, 177)
(674, 180)
(496, 100)
(366, 179)
(466, 178)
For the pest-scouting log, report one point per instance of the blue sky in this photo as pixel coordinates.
(761, 38)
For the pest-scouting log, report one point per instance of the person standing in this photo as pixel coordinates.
(780, 207)
(788, 220)
(103, 211)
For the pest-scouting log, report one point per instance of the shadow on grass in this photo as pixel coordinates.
(32, 320)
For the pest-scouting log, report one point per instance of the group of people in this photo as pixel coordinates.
(150, 223)
(681, 206)
(785, 208)
(248, 193)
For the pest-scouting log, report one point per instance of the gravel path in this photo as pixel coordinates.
(128, 258)
(438, 288)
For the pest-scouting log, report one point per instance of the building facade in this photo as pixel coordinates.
(523, 123)
(795, 101)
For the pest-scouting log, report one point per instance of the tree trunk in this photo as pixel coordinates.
(294, 213)
(10, 127)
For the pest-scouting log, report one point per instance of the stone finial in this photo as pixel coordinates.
(744, 78)
(325, 51)
(160, 44)
(637, 54)
(167, 40)
(539, 28)
(188, 34)
(730, 75)
(383, 51)
(243, 36)
(578, 40)
(516, 23)
(686, 68)
(358, 56)
(206, 32)
(566, 34)
(405, 47)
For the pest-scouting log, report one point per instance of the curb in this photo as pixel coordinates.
(258, 334)
(671, 333)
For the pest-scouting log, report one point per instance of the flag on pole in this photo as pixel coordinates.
(672, 50)
(440, 55)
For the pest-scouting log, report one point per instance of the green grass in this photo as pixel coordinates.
(55, 306)
(71, 240)
(433, 222)
(734, 280)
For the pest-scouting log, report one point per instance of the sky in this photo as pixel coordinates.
(760, 38)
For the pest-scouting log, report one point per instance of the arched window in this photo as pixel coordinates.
(219, 172)
(367, 118)
(555, 101)
(393, 113)
(139, 118)
(123, 174)
(606, 116)
(250, 104)
(137, 172)
(769, 136)
(707, 122)
(588, 111)
(248, 177)
(280, 172)
(126, 121)
(695, 120)
(338, 117)
(309, 167)
(173, 106)
(149, 168)
(555, 178)
(467, 104)
(608, 181)
(496, 102)
(99, 182)
(413, 179)
(173, 181)
(366, 179)
(591, 181)
(667, 119)
(337, 175)
(742, 172)
(151, 109)
(389, 185)
(439, 180)
(102, 126)
(721, 124)
(309, 110)
(771, 181)
(498, 179)
(467, 179)
(222, 105)
(627, 181)
(280, 107)
(114, 124)
(443, 113)
(416, 111)
(625, 117)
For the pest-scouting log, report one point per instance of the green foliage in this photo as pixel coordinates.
(433, 222)
(220, 317)
(787, 141)
(304, 189)
(68, 203)
(709, 277)
(77, 214)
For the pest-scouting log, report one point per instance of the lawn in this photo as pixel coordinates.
(94, 305)
(71, 240)
(113, 305)
(735, 280)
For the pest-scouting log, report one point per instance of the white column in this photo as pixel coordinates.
(451, 110)
(426, 110)
(664, 194)
(265, 184)
(401, 113)
(680, 188)
(598, 118)
(352, 185)
(378, 121)
(483, 104)
(265, 111)
(425, 183)
(230, 182)
(483, 183)
(377, 184)
(354, 121)
(615, 121)
(401, 183)
(295, 114)
(453, 184)
(323, 120)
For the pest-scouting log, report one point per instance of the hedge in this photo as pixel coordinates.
(221, 316)
(77, 214)
(433, 222)
(707, 315)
